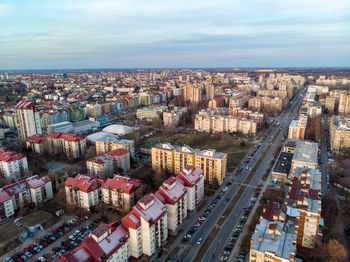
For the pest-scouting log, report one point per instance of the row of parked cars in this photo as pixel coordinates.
(40, 244)
(204, 216)
(236, 232)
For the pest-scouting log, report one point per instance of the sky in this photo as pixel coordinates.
(62, 34)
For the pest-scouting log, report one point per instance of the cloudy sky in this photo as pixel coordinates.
(54, 34)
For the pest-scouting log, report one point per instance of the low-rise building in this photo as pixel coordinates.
(100, 166)
(122, 192)
(149, 113)
(282, 167)
(36, 144)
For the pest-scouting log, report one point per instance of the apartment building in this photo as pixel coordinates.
(72, 145)
(13, 166)
(221, 123)
(83, 191)
(297, 128)
(339, 130)
(314, 109)
(267, 104)
(274, 237)
(173, 117)
(149, 113)
(121, 192)
(282, 167)
(36, 144)
(105, 243)
(212, 163)
(28, 120)
(66, 127)
(106, 144)
(173, 194)
(344, 104)
(304, 197)
(193, 180)
(100, 166)
(305, 155)
(27, 193)
(121, 159)
(273, 93)
(247, 114)
(148, 227)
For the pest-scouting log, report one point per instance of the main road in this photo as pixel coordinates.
(190, 251)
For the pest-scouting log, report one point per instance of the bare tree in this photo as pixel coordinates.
(336, 251)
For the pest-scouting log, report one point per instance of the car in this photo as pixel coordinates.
(199, 241)
(197, 224)
(226, 253)
(202, 218)
(223, 258)
(227, 199)
(42, 258)
(28, 254)
(233, 239)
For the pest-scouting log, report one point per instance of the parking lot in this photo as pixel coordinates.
(60, 239)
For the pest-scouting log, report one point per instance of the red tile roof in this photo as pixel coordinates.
(26, 105)
(8, 156)
(171, 191)
(4, 196)
(35, 139)
(121, 183)
(66, 136)
(118, 152)
(190, 176)
(84, 183)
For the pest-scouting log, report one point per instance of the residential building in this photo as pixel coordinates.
(122, 192)
(274, 237)
(27, 193)
(149, 113)
(173, 194)
(66, 127)
(267, 104)
(28, 120)
(107, 144)
(282, 167)
(173, 117)
(10, 120)
(100, 166)
(305, 155)
(304, 196)
(13, 166)
(83, 191)
(339, 130)
(36, 144)
(147, 224)
(193, 180)
(72, 145)
(168, 157)
(105, 243)
(121, 159)
(297, 128)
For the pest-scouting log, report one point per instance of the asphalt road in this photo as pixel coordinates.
(214, 250)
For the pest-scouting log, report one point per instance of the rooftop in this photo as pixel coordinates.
(84, 183)
(306, 151)
(283, 163)
(122, 183)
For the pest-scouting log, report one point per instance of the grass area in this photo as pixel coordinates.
(15, 243)
(222, 143)
(8, 231)
(35, 218)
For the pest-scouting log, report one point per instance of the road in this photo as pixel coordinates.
(192, 249)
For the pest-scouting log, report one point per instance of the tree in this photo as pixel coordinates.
(336, 251)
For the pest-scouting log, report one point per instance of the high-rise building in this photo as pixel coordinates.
(28, 120)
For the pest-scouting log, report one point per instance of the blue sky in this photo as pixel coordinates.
(50, 34)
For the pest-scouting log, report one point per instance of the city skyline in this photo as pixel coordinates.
(157, 34)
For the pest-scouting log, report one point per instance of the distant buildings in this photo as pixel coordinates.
(27, 193)
(149, 113)
(28, 120)
(172, 158)
(267, 104)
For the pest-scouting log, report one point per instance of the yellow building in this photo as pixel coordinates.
(107, 144)
(339, 133)
(172, 158)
